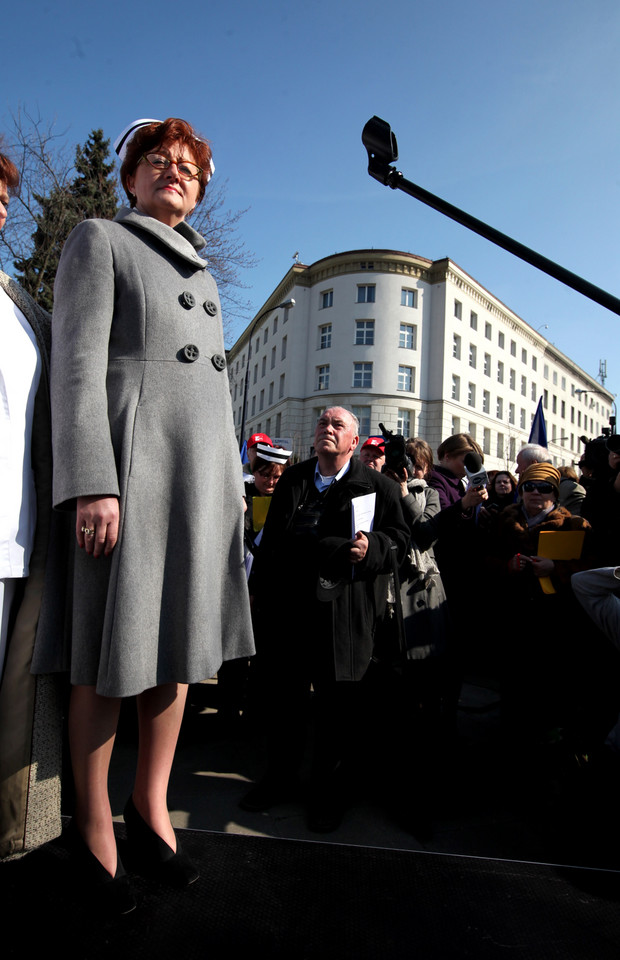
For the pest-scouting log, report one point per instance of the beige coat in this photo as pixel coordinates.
(30, 722)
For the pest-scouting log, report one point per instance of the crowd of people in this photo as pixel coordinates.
(136, 563)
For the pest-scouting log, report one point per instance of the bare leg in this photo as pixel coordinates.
(160, 712)
(92, 729)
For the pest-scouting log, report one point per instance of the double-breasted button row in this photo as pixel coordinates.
(188, 300)
(190, 353)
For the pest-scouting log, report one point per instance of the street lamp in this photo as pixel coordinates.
(612, 420)
(285, 305)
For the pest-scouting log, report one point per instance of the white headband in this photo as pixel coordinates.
(122, 141)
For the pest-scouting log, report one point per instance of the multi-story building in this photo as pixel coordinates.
(416, 344)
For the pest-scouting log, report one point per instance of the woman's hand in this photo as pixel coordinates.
(400, 480)
(474, 496)
(518, 563)
(96, 526)
(542, 566)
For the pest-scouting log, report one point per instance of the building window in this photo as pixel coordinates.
(261, 403)
(327, 299)
(523, 386)
(513, 380)
(472, 355)
(406, 379)
(513, 348)
(278, 424)
(366, 293)
(408, 298)
(511, 413)
(546, 371)
(500, 408)
(364, 332)
(486, 401)
(524, 356)
(500, 371)
(458, 309)
(362, 375)
(456, 425)
(500, 341)
(563, 383)
(471, 429)
(473, 320)
(255, 373)
(555, 378)
(270, 400)
(322, 377)
(283, 351)
(554, 404)
(281, 387)
(487, 364)
(363, 415)
(456, 388)
(471, 395)
(486, 441)
(545, 399)
(275, 324)
(534, 363)
(265, 334)
(407, 337)
(403, 423)
(488, 332)
(534, 392)
(263, 366)
(500, 445)
(325, 336)
(522, 420)
(563, 409)
(253, 404)
(273, 357)
(456, 347)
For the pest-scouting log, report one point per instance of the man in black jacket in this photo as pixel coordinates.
(323, 570)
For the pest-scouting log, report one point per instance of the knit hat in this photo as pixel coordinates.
(543, 473)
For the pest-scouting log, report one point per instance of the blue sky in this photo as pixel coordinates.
(506, 110)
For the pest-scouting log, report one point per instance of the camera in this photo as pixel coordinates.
(396, 458)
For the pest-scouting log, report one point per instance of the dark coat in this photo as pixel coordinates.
(289, 566)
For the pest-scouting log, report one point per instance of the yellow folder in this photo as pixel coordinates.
(559, 545)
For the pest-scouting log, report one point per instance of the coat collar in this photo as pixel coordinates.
(182, 239)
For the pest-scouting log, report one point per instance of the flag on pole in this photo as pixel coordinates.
(244, 452)
(538, 433)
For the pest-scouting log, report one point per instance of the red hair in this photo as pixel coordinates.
(155, 135)
(9, 174)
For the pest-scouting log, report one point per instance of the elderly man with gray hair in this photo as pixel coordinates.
(319, 580)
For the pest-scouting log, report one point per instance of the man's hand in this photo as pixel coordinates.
(359, 546)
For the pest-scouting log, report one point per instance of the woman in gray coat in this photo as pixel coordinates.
(145, 453)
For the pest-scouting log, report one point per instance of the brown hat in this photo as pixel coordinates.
(543, 472)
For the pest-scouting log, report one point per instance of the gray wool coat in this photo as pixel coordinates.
(141, 410)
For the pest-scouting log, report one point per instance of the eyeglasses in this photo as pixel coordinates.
(530, 485)
(187, 169)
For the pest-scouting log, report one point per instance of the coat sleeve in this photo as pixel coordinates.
(84, 462)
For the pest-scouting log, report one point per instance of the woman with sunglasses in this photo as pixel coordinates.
(140, 400)
(548, 663)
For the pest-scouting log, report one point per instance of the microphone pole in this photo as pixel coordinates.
(382, 149)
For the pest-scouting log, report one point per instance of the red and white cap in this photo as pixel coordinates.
(259, 438)
(374, 442)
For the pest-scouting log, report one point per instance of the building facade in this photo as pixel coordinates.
(415, 344)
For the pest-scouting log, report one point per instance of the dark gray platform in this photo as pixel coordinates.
(291, 900)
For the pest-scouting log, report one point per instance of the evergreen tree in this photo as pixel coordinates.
(92, 193)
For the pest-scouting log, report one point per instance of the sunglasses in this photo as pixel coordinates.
(530, 485)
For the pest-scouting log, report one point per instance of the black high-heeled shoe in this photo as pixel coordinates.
(114, 893)
(151, 851)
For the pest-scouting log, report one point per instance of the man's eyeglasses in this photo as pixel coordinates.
(187, 169)
(530, 485)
